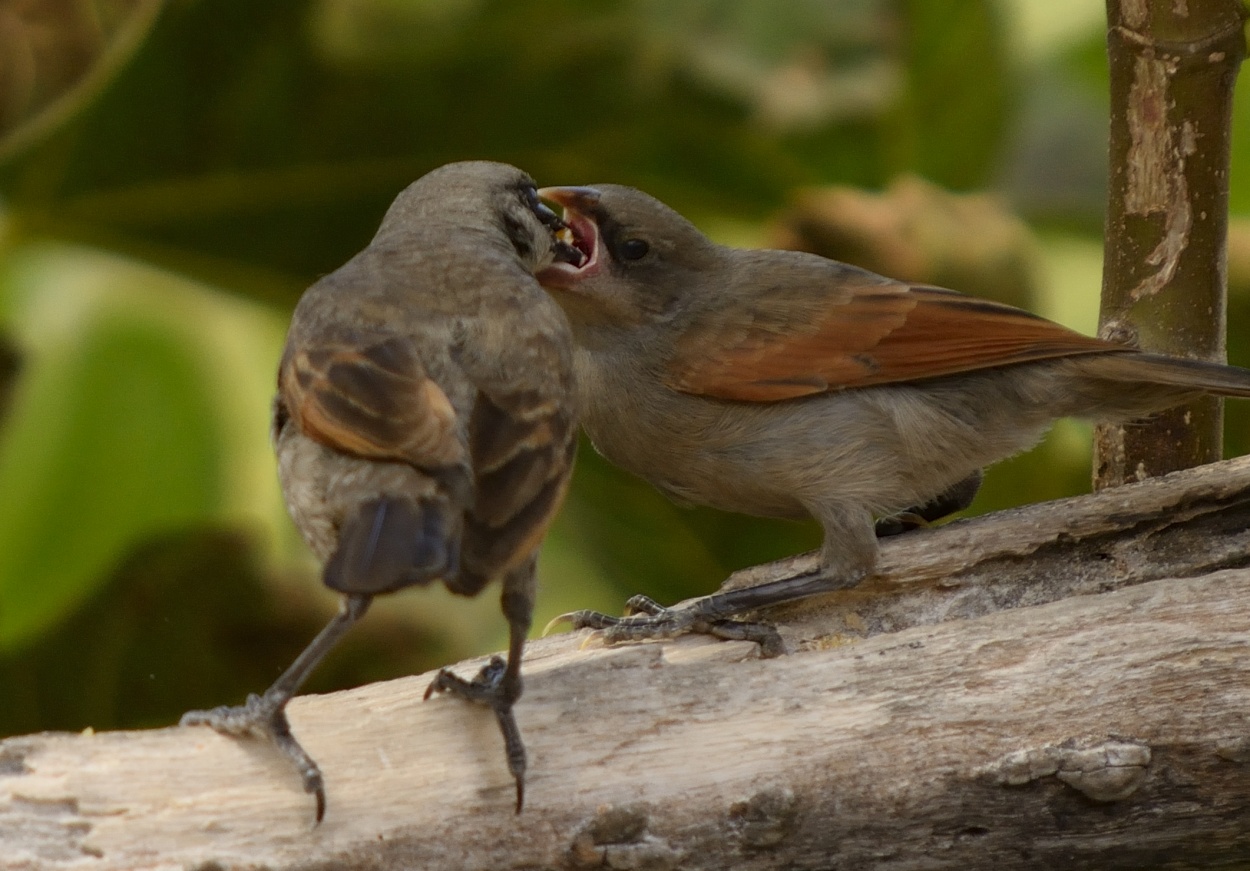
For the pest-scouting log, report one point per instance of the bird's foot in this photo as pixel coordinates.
(265, 717)
(897, 524)
(489, 688)
(648, 620)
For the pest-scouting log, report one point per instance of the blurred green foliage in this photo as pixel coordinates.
(173, 174)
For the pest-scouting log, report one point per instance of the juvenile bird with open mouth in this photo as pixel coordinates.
(783, 384)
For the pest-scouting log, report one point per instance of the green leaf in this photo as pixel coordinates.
(952, 119)
(110, 436)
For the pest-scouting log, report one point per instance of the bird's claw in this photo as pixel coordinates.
(485, 688)
(561, 619)
(897, 524)
(488, 688)
(647, 620)
(263, 717)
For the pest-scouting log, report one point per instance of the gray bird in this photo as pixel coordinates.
(782, 384)
(424, 425)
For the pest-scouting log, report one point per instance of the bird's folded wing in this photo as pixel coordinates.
(371, 398)
(522, 438)
(791, 340)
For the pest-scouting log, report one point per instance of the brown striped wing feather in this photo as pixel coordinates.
(522, 443)
(371, 400)
(786, 344)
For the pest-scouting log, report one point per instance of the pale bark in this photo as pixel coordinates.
(1065, 685)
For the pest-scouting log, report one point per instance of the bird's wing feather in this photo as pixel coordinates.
(371, 398)
(859, 330)
(522, 436)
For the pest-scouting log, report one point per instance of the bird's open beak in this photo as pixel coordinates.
(579, 199)
(583, 236)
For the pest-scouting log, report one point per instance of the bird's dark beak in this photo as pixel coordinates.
(549, 218)
(579, 253)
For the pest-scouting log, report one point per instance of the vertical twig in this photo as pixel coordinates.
(1173, 66)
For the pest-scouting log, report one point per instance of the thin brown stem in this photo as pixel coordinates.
(1173, 67)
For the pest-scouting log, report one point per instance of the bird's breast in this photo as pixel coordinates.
(695, 450)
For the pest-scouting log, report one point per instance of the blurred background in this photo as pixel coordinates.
(173, 174)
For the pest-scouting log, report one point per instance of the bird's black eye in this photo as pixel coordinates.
(633, 249)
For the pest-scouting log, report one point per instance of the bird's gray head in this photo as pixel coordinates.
(493, 201)
(639, 256)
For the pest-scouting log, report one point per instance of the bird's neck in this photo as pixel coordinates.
(616, 384)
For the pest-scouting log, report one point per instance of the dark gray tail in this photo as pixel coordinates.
(394, 542)
(1197, 375)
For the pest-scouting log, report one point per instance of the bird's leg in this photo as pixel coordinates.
(264, 716)
(847, 556)
(498, 684)
(710, 615)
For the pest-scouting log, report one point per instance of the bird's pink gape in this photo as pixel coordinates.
(577, 203)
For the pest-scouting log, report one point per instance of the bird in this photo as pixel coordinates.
(784, 384)
(424, 427)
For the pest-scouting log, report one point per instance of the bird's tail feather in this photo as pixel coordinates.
(1197, 375)
(394, 542)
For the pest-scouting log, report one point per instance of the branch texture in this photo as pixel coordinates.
(1008, 694)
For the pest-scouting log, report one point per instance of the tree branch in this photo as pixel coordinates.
(1173, 66)
(1061, 685)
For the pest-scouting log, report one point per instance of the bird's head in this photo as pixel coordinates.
(486, 199)
(639, 258)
